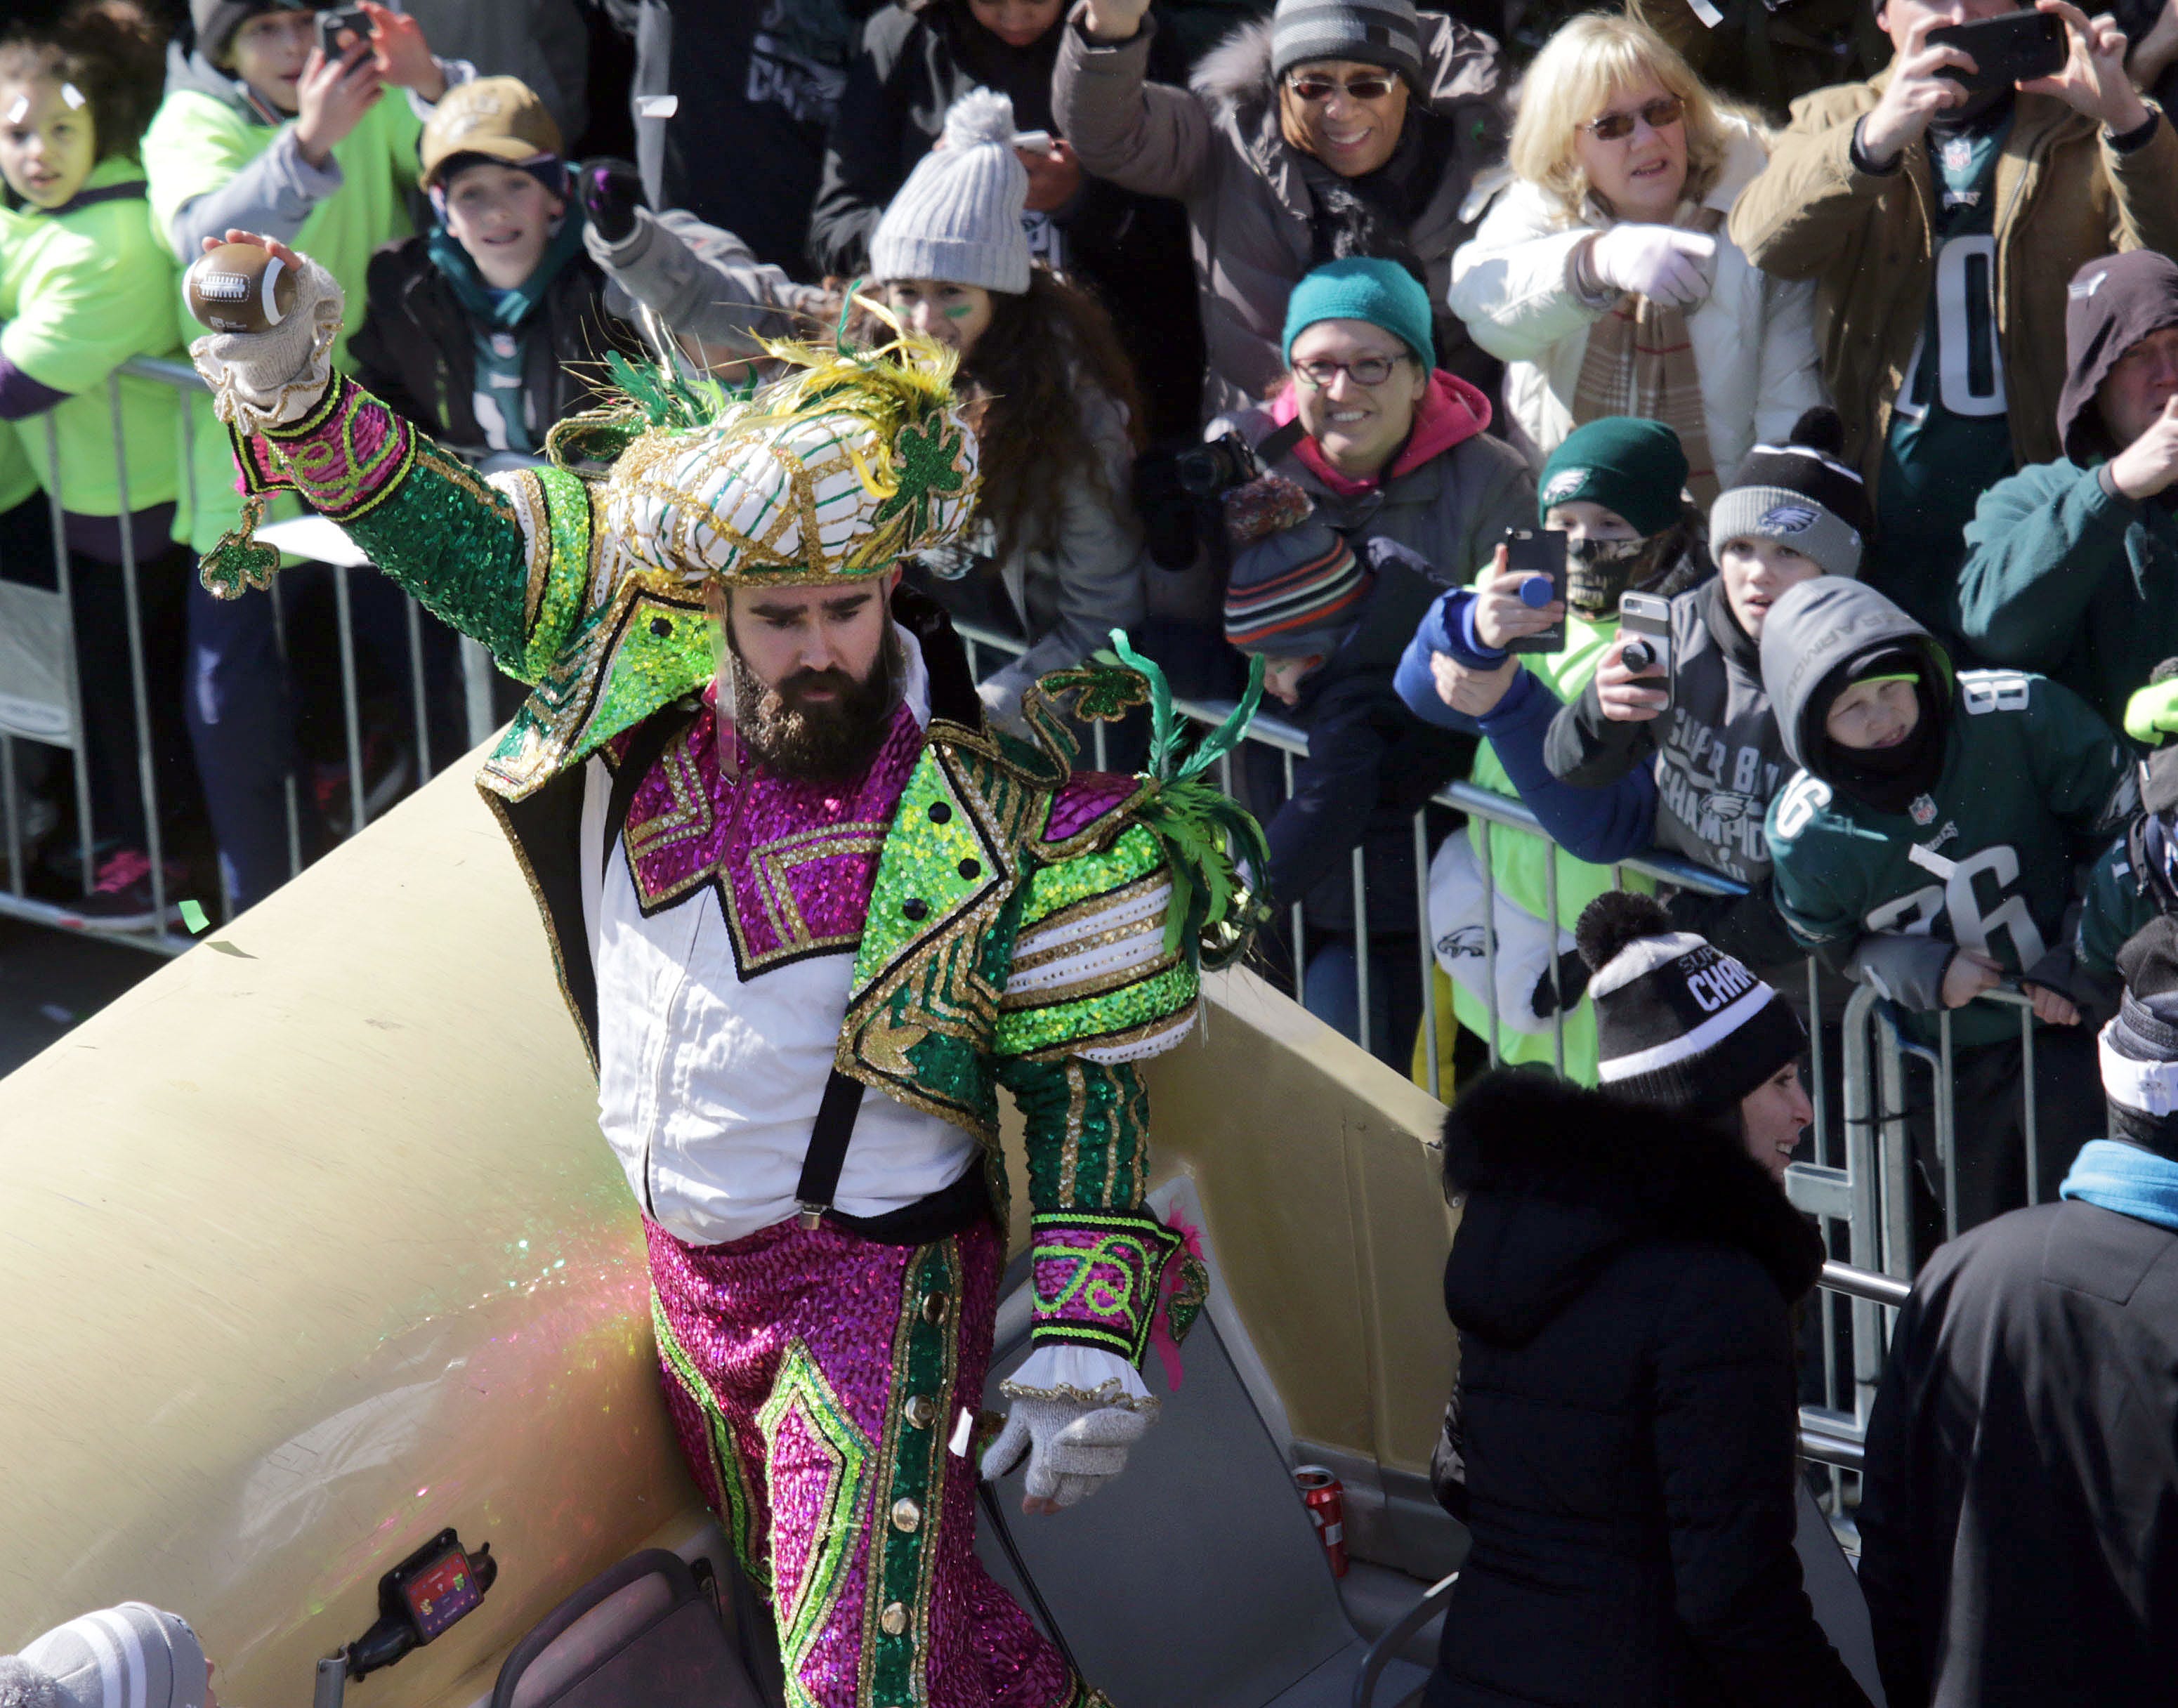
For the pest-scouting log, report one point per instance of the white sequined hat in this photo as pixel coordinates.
(837, 471)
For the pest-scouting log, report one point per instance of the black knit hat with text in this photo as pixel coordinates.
(1679, 1022)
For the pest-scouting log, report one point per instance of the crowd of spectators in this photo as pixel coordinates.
(1284, 327)
(1431, 284)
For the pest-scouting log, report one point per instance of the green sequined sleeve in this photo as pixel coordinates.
(1088, 1132)
(503, 559)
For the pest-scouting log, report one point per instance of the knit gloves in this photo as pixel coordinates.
(261, 379)
(1073, 1442)
(1661, 263)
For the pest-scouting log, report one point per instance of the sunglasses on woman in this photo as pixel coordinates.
(1614, 127)
(1312, 88)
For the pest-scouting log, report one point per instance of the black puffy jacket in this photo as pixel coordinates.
(1620, 1281)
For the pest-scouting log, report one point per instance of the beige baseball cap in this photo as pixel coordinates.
(499, 117)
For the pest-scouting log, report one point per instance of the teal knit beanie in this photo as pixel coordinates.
(1384, 293)
(1635, 467)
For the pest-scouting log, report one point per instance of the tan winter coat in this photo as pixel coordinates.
(2063, 196)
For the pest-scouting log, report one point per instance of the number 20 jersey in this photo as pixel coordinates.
(1984, 859)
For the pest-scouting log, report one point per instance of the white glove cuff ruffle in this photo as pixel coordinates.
(1086, 1375)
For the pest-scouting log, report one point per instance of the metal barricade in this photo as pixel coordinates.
(43, 654)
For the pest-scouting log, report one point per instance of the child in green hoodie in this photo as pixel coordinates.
(84, 286)
(491, 327)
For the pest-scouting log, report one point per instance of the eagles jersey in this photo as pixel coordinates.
(1984, 860)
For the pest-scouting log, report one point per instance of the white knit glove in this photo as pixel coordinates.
(1661, 263)
(1075, 1436)
(261, 379)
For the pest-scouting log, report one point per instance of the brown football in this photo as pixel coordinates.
(239, 288)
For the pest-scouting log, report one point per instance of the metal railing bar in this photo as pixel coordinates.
(419, 691)
(79, 734)
(1431, 1071)
(1865, 1284)
(351, 713)
(166, 370)
(1361, 948)
(139, 682)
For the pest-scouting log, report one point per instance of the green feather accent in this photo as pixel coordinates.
(1213, 911)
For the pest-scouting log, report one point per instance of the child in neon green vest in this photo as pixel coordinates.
(85, 288)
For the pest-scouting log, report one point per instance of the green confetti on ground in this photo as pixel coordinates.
(194, 917)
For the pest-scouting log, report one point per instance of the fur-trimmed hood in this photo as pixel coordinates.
(1558, 1179)
(1234, 77)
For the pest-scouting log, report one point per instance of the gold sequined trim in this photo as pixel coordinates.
(1107, 1395)
(1090, 905)
(525, 493)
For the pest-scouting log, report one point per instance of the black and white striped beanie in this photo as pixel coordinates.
(134, 1655)
(1679, 1022)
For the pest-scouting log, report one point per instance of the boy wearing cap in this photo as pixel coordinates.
(483, 331)
(1927, 848)
(1693, 770)
(1330, 624)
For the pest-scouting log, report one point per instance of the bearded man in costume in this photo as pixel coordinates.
(782, 862)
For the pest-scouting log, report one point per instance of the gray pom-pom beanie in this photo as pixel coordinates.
(958, 218)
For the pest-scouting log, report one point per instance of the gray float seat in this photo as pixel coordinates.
(1195, 1580)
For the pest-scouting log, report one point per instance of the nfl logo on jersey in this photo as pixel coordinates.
(1923, 810)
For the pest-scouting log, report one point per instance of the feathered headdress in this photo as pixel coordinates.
(850, 460)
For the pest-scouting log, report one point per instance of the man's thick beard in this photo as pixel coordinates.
(824, 741)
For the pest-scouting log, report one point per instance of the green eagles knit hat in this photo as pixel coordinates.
(1361, 288)
(1635, 467)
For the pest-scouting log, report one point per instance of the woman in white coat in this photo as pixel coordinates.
(1602, 275)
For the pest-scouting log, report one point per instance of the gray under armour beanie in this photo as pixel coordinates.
(958, 218)
(1374, 32)
(134, 1655)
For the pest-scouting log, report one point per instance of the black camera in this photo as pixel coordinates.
(1211, 470)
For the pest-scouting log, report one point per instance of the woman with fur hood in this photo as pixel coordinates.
(1621, 1445)
(1326, 132)
(1603, 276)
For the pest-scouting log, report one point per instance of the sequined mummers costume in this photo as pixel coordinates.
(970, 913)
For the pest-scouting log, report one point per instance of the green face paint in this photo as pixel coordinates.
(960, 311)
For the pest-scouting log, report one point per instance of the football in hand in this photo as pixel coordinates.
(239, 288)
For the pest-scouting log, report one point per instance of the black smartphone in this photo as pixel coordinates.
(341, 20)
(1645, 624)
(2005, 50)
(1541, 551)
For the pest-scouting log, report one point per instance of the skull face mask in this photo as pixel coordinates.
(1598, 571)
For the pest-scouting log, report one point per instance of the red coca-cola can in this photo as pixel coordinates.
(1325, 1498)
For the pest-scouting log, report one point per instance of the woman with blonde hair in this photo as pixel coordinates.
(1602, 275)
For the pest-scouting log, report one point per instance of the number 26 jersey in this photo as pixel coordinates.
(1984, 859)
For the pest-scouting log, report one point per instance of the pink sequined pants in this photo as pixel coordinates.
(817, 1380)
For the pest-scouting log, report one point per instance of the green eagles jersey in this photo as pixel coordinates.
(81, 291)
(2117, 904)
(1984, 859)
(196, 145)
(1950, 429)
